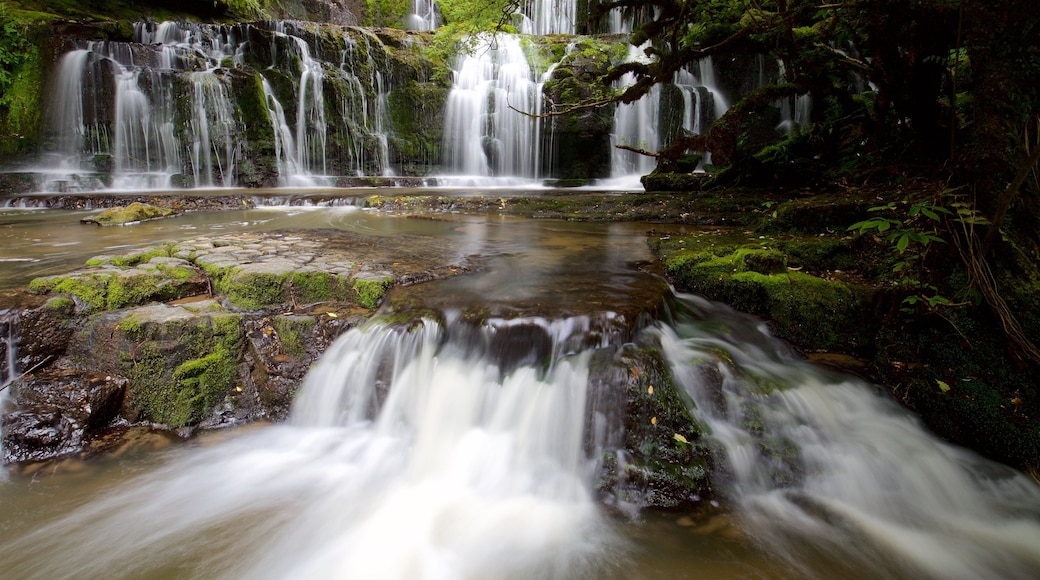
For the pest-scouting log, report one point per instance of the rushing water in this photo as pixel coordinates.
(437, 451)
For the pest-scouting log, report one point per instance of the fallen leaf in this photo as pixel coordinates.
(650, 390)
(653, 420)
(678, 437)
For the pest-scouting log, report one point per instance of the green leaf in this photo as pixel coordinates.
(943, 386)
(904, 241)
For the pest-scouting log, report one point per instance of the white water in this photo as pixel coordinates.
(407, 456)
(10, 344)
(822, 463)
(424, 15)
(483, 135)
(548, 17)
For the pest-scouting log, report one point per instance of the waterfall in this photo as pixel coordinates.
(9, 368)
(483, 135)
(822, 463)
(166, 111)
(637, 124)
(414, 451)
(548, 17)
(424, 15)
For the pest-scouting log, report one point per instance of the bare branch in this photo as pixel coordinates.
(638, 150)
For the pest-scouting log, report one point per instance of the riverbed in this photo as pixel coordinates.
(472, 472)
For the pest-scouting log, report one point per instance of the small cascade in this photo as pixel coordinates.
(414, 451)
(548, 17)
(484, 136)
(643, 125)
(821, 466)
(795, 111)
(424, 16)
(8, 368)
(635, 125)
(175, 108)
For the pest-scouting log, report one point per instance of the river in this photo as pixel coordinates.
(453, 464)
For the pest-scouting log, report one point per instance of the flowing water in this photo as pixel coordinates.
(443, 449)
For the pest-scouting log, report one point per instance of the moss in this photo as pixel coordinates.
(254, 290)
(91, 288)
(311, 287)
(133, 288)
(181, 368)
(133, 213)
(291, 331)
(61, 305)
(668, 463)
(369, 292)
(806, 309)
(200, 384)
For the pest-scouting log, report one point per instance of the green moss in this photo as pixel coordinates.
(133, 288)
(805, 309)
(311, 287)
(254, 290)
(369, 292)
(200, 384)
(291, 331)
(133, 213)
(61, 305)
(91, 288)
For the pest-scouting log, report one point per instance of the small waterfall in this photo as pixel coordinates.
(548, 17)
(483, 136)
(424, 16)
(8, 368)
(635, 125)
(638, 124)
(823, 466)
(414, 451)
(165, 111)
(795, 111)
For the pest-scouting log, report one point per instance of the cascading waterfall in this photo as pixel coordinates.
(548, 17)
(9, 345)
(412, 452)
(822, 466)
(166, 109)
(637, 124)
(484, 136)
(424, 15)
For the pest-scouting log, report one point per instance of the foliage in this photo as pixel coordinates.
(909, 234)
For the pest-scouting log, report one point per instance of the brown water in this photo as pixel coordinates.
(469, 473)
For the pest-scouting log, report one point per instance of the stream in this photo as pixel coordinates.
(428, 452)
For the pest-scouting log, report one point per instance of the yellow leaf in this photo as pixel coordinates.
(653, 420)
(332, 315)
(650, 390)
(943, 386)
(678, 437)
(238, 389)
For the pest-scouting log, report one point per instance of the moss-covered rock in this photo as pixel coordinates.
(134, 213)
(665, 463)
(370, 287)
(809, 310)
(180, 364)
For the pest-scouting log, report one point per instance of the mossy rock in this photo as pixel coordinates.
(181, 364)
(108, 287)
(808, 310)
(369, 288)
(667, 462)
(134, 213)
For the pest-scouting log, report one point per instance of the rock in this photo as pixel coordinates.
(134, 213)
(57, 410)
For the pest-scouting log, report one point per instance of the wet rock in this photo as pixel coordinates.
(660, 461)
(57, 410)
(134, 213)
